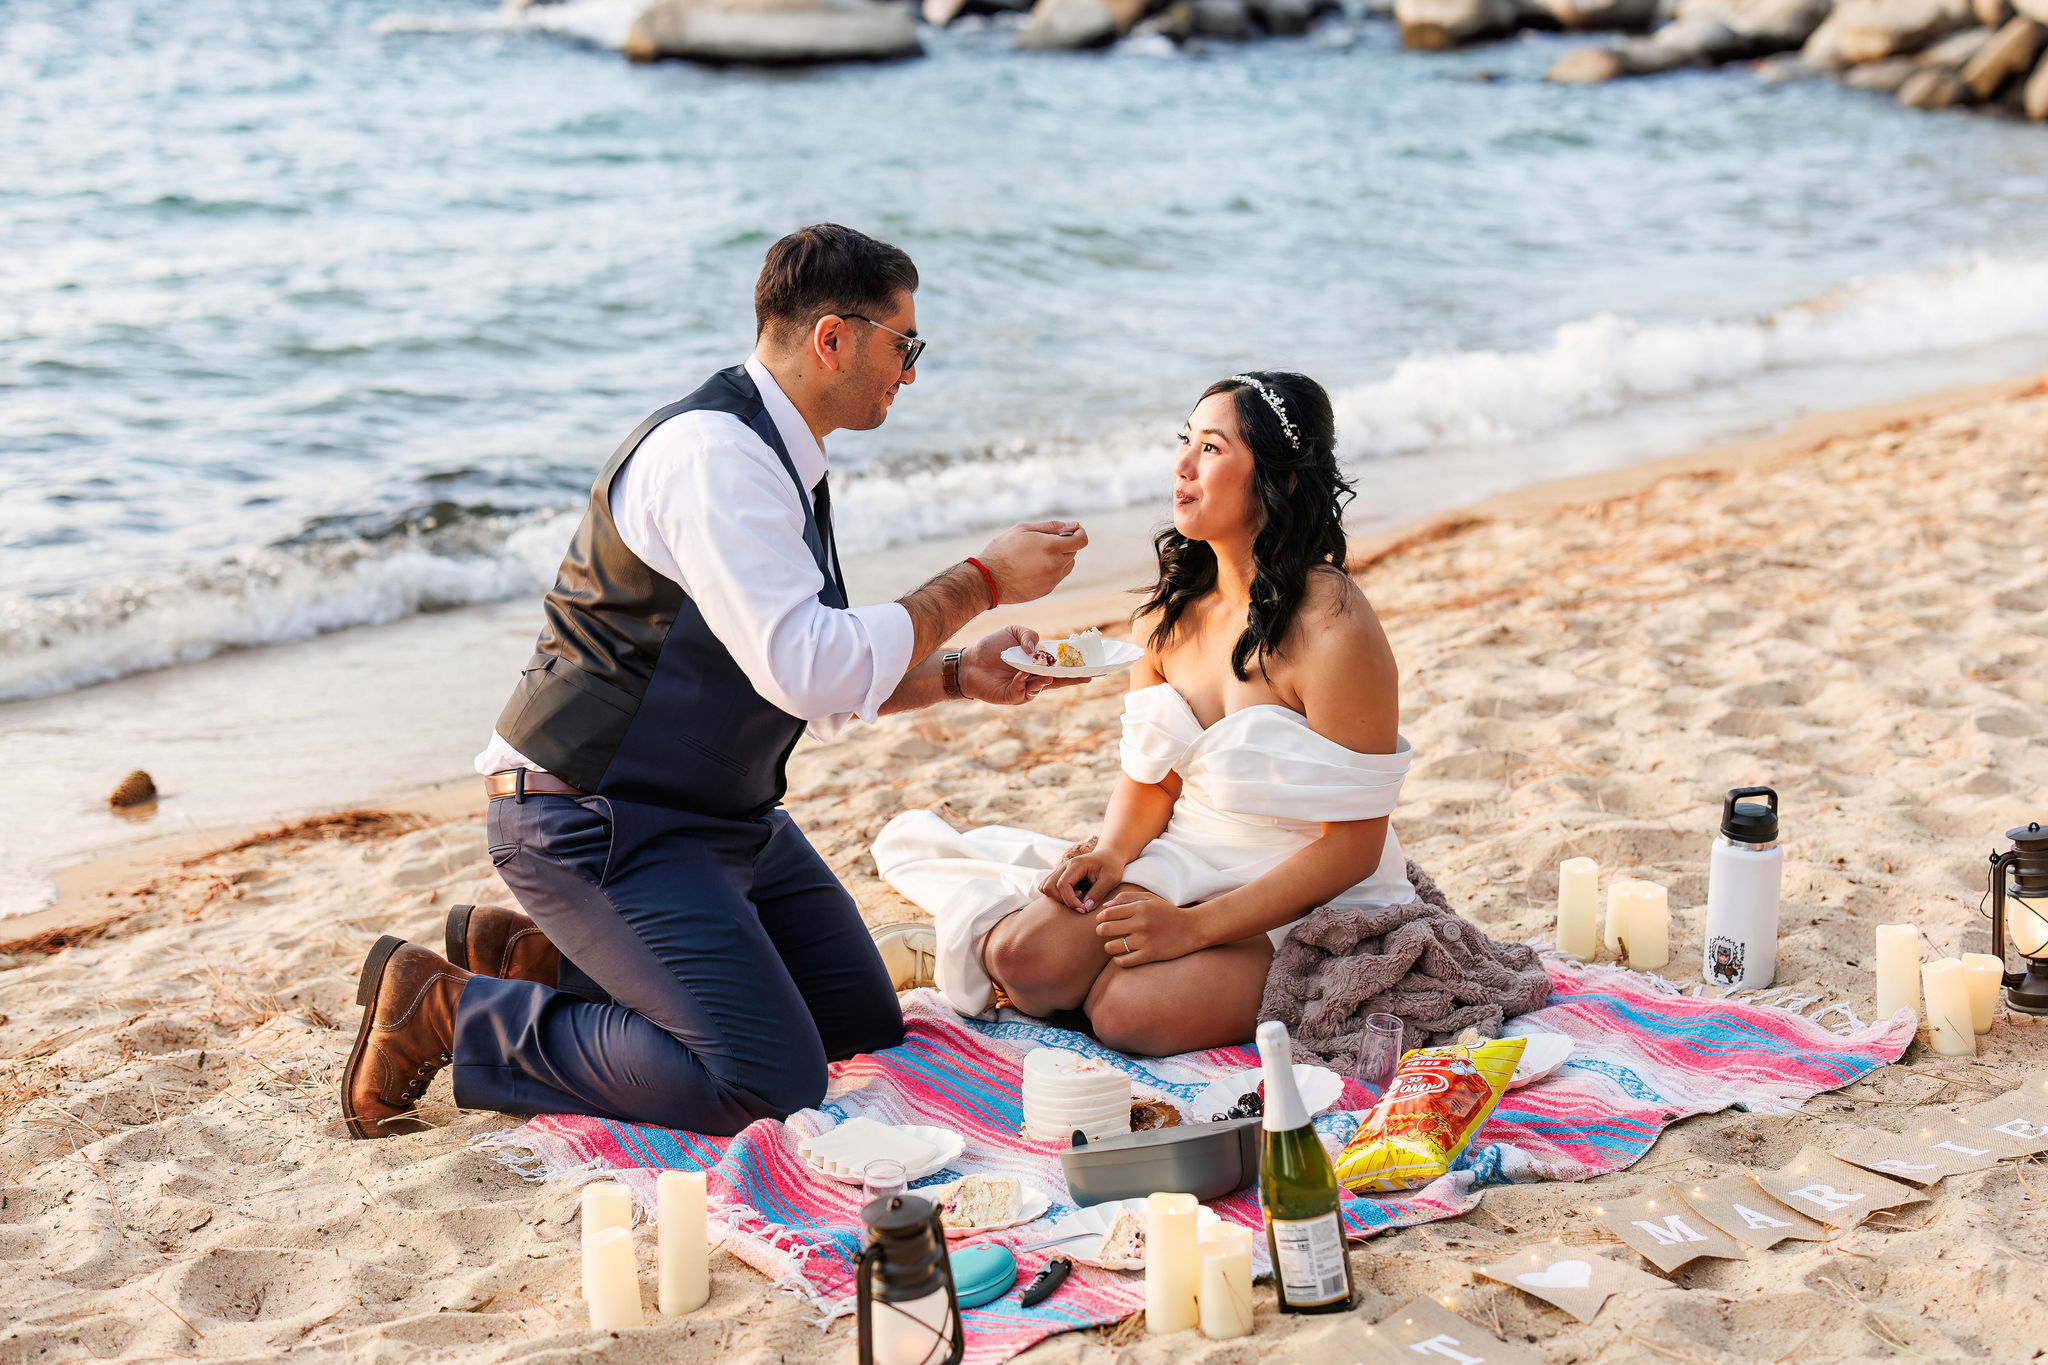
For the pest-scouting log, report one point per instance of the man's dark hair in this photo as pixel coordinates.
(827, 269)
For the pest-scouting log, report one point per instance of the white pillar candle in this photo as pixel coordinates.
(606, 1204)
(1225, 1293)
(1170, 1263)
(1986, 976)
(1620, 894)
(1647, 927)
(1578, 907)
(680, 1253)
(611, 1281)
(1898, 969)
(1948, 1007)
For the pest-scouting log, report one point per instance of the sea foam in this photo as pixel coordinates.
(1591, 369)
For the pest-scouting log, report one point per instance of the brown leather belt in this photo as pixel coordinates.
(527, 782)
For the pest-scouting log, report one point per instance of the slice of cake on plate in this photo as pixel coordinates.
(981, 1201)
(1123, 1246)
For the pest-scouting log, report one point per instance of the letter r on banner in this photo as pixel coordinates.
(1671, 1231)
(1827, 1196)
(1752, 1219)
(1447, 1347)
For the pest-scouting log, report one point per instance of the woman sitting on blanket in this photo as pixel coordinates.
(1260, 762)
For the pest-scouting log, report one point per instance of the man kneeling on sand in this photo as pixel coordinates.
(690, 960)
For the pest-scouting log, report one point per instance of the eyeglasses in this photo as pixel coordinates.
(912, 346)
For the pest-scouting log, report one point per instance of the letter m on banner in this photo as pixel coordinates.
(1671, 1231)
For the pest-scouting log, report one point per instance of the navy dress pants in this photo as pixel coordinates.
(730, 963)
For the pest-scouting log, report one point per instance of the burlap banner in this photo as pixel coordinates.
(1571, 1278)
(1832, 1191)
(1668, 1233)
(1740, 1207)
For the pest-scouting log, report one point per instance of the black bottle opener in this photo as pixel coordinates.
(1047, 1280)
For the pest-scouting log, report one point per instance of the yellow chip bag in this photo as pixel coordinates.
(1439, 1098)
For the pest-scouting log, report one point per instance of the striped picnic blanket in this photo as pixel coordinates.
(1645, 1058)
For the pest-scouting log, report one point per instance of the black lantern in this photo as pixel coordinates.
(906, 1307)
(2021, 873)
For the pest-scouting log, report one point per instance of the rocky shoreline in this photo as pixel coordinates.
(1990, 55)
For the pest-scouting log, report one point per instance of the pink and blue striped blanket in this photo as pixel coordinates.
(1644, 1059)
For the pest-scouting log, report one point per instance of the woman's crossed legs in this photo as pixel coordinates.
(1047, 957)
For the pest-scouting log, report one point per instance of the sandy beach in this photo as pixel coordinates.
(1856, 613)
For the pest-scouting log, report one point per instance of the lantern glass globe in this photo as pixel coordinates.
(2026, 928)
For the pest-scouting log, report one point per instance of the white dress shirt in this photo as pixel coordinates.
(706, 503)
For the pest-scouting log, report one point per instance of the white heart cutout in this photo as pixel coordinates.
(1559, 1275)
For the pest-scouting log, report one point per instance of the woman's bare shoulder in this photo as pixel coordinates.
(1337, 623)
(1347, 678)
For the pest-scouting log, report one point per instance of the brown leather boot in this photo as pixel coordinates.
(408, 996)
(493, 941)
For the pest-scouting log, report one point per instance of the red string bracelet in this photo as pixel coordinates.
(995, 599)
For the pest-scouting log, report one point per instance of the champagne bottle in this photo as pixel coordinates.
(1298, 1192)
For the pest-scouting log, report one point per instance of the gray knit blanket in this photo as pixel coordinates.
(1434, 970)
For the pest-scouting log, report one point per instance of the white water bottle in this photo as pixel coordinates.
(1744, 878)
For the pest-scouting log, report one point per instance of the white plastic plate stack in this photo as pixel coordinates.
(1064, 1091)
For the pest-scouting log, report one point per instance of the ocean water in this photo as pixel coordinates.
(322, 314)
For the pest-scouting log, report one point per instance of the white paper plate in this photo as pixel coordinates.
(949, 1143)
(1121, 654)
(1545, 1053)
(1035, 1204)
(1319, 1087)
(1098, 1219)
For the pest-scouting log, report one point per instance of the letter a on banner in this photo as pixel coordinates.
(1736, 1205)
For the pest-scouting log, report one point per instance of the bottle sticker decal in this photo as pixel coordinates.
(1724, 959)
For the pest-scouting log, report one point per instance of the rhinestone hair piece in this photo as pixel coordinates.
(1273, 402)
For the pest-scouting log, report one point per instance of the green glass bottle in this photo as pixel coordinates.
(1298, 1192)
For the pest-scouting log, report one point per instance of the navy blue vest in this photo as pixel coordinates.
(628, 693)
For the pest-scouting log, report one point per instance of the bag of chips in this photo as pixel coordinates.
(1438, 1099)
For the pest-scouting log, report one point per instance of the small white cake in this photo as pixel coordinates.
(1065, 1091)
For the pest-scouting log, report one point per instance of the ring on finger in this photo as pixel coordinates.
(1124, 939)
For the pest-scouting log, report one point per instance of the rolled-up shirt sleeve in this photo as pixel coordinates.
(730, 528)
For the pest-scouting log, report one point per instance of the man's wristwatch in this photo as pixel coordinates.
(950, 674)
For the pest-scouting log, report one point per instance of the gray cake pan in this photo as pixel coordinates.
(1206, 1160)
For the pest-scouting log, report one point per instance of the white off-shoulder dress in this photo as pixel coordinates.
(1256, 787)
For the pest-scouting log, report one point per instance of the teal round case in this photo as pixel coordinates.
(983, 1274)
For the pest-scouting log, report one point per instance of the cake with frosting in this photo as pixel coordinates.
(1065, 1092)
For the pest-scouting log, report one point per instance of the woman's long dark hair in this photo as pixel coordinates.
(1301, 494)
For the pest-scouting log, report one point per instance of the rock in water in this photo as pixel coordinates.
(1228, 19)
(774, 32)
(1954, 52)
(1285, 18)
(2035, 98)
(1598, 14)
(1932, 88)
(1057, 25)
(1440, 25)
(1885, 77)
(1871, 30)
(132, 790)
(2011, 52)
(1769, 25)
(1587, 66)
